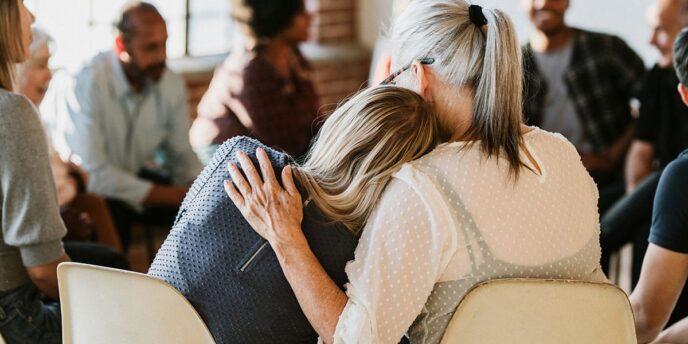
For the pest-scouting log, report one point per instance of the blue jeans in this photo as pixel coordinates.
(25, 318)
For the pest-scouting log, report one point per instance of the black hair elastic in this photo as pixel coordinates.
(475, 13)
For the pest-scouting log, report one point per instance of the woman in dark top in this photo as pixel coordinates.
(263, 91)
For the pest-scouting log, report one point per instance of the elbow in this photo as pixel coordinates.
(648, 324)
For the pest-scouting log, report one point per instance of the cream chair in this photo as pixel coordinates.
(2, 340)
(107, 306)
(542, 311)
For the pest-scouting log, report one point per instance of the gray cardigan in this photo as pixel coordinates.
(32, 229)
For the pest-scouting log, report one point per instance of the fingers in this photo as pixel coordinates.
(233, 194)
(288, 181)
(250, 170)
(238, 179)
(266, 167)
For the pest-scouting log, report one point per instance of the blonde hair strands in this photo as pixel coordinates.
(360, 146)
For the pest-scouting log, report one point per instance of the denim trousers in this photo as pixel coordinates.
(26, 319)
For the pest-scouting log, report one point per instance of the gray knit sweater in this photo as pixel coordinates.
(32, 229)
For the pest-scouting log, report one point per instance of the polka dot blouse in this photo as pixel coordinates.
(453, 219)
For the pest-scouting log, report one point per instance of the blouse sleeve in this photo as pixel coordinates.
(405, 246)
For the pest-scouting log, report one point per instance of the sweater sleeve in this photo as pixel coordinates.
(30, 217)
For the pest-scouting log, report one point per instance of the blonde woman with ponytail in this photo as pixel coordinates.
(497, 200)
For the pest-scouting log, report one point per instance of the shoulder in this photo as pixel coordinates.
(597, 37)
(228, 150)
(19, 125)
(17, 113)
(676, 172)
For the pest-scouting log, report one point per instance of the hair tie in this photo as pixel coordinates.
(475, 13)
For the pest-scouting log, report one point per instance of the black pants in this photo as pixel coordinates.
(628, 220)
(96, 254)
(610, 186)
(125, 217)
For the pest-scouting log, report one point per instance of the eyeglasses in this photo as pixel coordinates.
(390, 79)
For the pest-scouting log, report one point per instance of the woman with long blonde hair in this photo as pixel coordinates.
(497, 200)
(216, 260)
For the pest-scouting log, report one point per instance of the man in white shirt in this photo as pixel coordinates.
(125, 112)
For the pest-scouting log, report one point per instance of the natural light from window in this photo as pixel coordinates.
(82, 28)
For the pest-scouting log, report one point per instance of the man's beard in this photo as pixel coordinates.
(151, 73)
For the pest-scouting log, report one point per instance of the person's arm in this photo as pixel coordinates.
(182, 162)
(81, 110)
(665, 266)
(676, 334)
(386, 290)
(662, 278)
(30, 217)
(45, 277)
(613, 156)
(639, 163)
(165, 195)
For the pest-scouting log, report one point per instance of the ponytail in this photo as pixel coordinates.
(497, 95)
(473, 48)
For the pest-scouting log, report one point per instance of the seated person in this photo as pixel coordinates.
(232, 276)
(30, 224)
(665, 267)
(85, 214)
(124, 110)
(265, 90)
(497, 200)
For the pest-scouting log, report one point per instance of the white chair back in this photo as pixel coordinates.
(2, 340)
(542, 311)
(107, 306)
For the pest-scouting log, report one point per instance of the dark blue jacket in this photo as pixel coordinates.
(229, 273)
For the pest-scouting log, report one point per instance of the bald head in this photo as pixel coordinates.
(142, 42)
(666, 18)
(135, 17)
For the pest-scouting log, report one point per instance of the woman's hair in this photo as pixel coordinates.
(485, 59)
(11, 45)
(360, 146)
(265, 19)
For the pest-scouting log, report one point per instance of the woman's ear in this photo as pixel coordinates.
(422, 76)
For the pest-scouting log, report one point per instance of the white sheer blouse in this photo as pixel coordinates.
(453, 219)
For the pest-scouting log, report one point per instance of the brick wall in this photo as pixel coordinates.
(340, 64)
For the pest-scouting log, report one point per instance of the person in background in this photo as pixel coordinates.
(32, 230)
(661, 134)
(264, 90)
(125, 112)
(580, 84)
(81, 211)
(665, 267)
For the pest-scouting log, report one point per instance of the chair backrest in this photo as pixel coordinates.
(542, 311)
(2, 340)
(103, 305)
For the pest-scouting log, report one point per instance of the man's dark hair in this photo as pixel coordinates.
(681, 56)
(123, 25)
(266, 18)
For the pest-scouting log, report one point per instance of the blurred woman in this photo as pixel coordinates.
(263, 90)
(80, 211)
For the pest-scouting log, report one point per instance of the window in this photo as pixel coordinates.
(82, 28)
